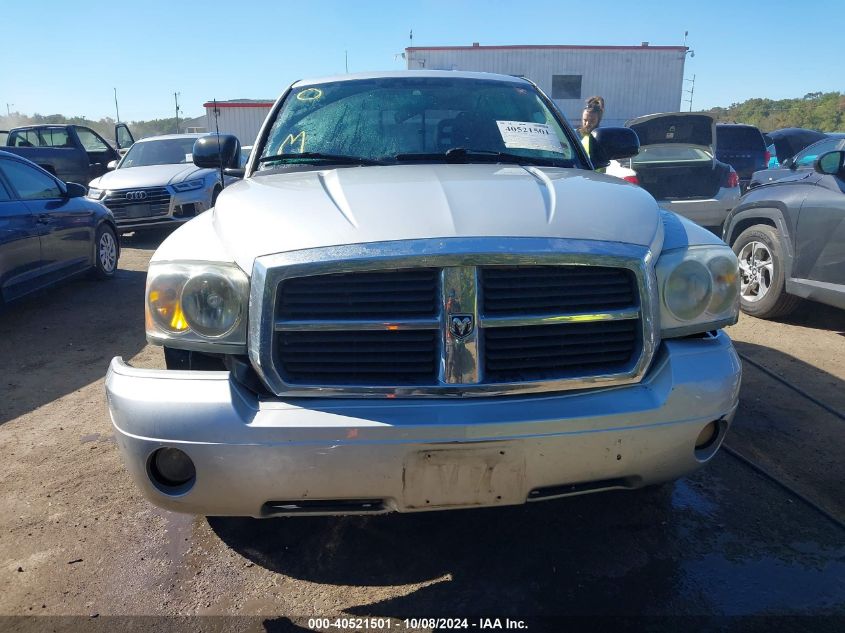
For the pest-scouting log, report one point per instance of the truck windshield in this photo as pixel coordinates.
(161, 152)
(406, 119)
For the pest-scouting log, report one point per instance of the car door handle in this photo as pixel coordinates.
(43, 218)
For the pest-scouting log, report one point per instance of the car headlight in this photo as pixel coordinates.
(699, 290)
(95, 194)
(197, 306)
(188, 185)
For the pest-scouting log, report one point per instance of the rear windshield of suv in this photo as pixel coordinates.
(739, 138)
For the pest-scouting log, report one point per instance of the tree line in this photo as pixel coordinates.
(104, 126)
(822, 111)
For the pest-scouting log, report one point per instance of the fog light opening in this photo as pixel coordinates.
(171, 470)
(707, 436)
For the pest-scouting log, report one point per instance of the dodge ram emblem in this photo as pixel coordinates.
(461, 325)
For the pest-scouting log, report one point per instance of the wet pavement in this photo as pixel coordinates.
(723, 542)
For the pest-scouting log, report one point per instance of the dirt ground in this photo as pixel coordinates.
(79, 540)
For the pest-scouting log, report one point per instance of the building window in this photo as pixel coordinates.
(566, 86)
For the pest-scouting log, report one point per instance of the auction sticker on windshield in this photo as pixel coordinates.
(526, 135)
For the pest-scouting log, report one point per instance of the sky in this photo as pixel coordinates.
(68, 57)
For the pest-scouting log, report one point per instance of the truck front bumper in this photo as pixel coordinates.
(270, 457)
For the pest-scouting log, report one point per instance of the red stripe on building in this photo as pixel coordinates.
(224, 104)
(414, 49)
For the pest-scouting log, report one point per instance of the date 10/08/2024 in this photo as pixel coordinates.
(416, 624)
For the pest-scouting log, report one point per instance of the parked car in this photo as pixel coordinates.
(789, 237)
(157, 184)
(677, 165)
(787, 142)
(49, 231)
(803, 161)
(743, 148)
(418, 298)
(72, 153)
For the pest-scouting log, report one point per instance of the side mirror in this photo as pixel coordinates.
(216, 151)
(75, 190)
(617, 142)
(830, 164)
(112, 165)
(788, 164)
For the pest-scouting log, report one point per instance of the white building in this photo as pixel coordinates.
(241, 117)
(634, 80)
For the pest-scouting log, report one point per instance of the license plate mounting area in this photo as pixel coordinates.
(464, 477)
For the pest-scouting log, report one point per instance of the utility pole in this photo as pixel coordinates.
(8, 109)
(116, 109)
(691, 91)
(176, 99)
(346, 58)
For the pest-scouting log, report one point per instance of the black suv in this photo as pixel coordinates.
(743, 148)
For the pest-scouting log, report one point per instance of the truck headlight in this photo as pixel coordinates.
(211, 304)
(197, 306)
(95, 194)
(188, 185)
(699, 289)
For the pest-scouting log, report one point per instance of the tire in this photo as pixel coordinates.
(106, 252)
(762, 273)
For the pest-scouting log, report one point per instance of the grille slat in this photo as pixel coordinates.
(554, 351)
(555, 289)
(543, 352)
(395, 357)
(557, 305)
(553, 365)
(540, 341)
(368, 294)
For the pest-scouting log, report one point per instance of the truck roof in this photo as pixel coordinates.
(397, 74)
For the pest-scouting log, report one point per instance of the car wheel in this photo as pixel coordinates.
(106, 252)
(762, 277)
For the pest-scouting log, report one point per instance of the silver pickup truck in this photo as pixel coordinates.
(421, 296)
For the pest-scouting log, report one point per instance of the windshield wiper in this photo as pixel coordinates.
(328, 158)
(463, 155)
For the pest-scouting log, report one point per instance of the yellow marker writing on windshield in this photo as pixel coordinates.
(292, 139)
(309, 94)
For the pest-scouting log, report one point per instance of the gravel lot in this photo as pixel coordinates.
(78, 539)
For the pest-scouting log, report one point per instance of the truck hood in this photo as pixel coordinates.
(280, 212)
(688, 128)
(150, 176)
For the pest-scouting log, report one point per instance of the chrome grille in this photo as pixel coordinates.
(494, 316)
(155, 204)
